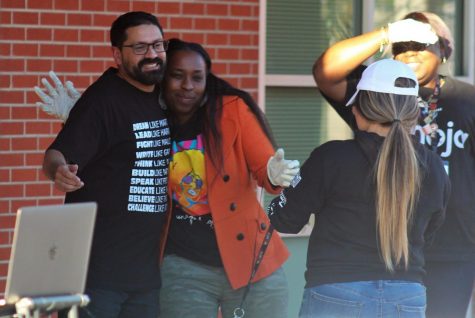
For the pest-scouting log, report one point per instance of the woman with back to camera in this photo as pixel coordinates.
(378, 200)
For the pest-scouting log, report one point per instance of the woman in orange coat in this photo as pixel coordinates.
(222, 148)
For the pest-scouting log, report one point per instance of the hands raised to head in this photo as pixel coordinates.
(411, 30)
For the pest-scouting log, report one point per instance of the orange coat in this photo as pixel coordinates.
(239, 221)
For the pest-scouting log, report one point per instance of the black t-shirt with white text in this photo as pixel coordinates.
(120, 139)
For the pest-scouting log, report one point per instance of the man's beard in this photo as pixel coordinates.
(146, 78)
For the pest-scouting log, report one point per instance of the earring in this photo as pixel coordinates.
(204, 100)
(161, 102)
(444, 60)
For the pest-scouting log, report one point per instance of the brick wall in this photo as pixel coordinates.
(71, 37)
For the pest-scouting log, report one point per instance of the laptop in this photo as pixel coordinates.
(50, 251)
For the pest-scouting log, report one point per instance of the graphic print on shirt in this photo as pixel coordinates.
(274, 204)
(148, 183)
(451, 138)
(188, 178)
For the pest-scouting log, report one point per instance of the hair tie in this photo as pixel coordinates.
(396, 120)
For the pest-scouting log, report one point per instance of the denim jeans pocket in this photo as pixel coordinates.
(405, 311)
(324, 306)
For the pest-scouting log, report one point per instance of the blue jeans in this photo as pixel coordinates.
(382, 298)
(191, 289)
(117, 304)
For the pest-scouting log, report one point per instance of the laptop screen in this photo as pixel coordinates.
(50, 251)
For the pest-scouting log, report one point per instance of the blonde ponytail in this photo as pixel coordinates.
(396, 172)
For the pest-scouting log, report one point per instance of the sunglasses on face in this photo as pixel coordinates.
(401, 47)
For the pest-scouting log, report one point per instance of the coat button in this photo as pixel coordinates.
(240, 237)
(232, 207)
(263, 226)
(226, 178)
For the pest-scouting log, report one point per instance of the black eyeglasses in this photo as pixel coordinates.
(401, 47)
(142, 48)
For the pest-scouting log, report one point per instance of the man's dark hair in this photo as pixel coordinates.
(131, 19)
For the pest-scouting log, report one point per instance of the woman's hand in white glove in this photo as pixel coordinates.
(281, 171)
(411, 30)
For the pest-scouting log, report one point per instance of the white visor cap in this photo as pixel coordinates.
(381, 77)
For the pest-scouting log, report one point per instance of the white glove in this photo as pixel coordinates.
(411, 30)
(280, 171)
(58, 101)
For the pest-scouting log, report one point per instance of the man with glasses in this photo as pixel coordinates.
(447, 125)
(114, 149)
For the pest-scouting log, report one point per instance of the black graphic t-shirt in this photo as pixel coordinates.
(191, 234)
(456, 147)
(120, 139)
(455, 240)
